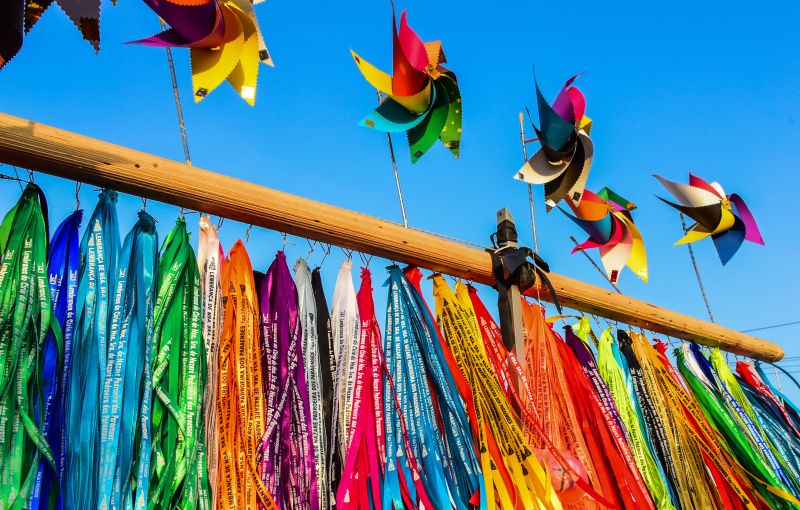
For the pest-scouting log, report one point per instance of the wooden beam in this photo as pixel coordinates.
(58, 152)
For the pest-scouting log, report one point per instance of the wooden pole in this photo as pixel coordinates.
(61, 153)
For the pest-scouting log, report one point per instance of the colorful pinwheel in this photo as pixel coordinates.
(224, 39)
(422, 100)
(17, 17)
(607, 218)
(85, 14)
(724, 218)
(563, 161)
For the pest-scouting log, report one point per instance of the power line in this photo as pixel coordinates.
(770, 327)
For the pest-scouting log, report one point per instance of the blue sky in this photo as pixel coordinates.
(671, 87)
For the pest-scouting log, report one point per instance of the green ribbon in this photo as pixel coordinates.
(608, 362)
(25, 319)
(178, 475)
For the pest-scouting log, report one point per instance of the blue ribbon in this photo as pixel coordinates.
(98, 274)
(63, 266)
(129, 336)
(414, 357)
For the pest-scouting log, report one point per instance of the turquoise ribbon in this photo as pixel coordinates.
(98, 275)
(129, 338)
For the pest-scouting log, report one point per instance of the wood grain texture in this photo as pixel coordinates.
(58, 152)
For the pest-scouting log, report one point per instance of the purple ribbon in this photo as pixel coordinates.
(287, 448)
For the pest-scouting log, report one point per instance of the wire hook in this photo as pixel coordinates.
(365, 259)
(77, 195)
(285, 240)
(247, 233)
(325, 254)
(311, 245)
(347, 253)
(220, 222)
(16, 173)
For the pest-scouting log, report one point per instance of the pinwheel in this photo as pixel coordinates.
(562, 162)
(724, 218)
(607, 218)
(423, 98)
(10, 30)
(85, 14)
(17, 17)
(224, 38)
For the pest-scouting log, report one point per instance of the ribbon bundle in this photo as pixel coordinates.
(97, 280)
(25, 318)
(511, 472)
(63, 265)
(239, 401)
(287, 448)
(178, 476)
(209, 261)
(128, 345)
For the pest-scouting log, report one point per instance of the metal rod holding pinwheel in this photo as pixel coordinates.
(421, 98)
(177, 95)
(697, 271)
(396, 173)
(725, 218)
(524, 143)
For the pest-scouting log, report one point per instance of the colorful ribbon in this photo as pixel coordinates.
(98, 279)
(130, 336)
(178, 475)
(287, 448)
(63, 265)
(310, 347)
(25, 319)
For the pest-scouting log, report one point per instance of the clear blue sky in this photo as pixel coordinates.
(672, 87)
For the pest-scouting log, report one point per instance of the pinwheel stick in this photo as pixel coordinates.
(697, 272)
(524, 144)
(596, 266)
(396, 173)
(178, 106)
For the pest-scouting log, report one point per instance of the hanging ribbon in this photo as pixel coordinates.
(757, 379)
(129, 337)
(362, 479)
(448, 384)
(327, 365)
(239, 401)
(426, 428)
(572, 481)
(25, 319)
(62, 267)
(708, 476)
(345, 329)
(287, 448)
(611, 369)
(98, 280)
(311, 358)
(511, 472)
(178, 475)
(209, 262)
(656, 435)
(595, 411)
